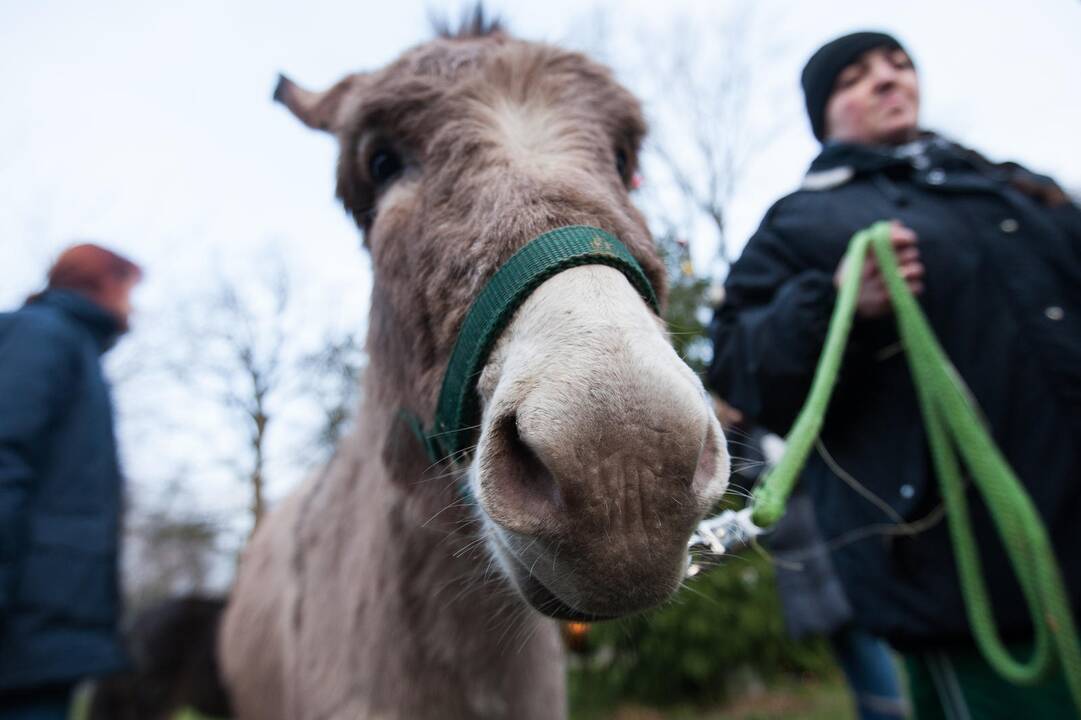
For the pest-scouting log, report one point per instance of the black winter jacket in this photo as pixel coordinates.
(1003, 294)
(60, 495)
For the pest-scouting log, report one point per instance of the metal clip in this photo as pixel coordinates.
(718, 536)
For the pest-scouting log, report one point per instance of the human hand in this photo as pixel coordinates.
(874, 297)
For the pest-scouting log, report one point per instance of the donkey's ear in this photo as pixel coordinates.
(327, 110)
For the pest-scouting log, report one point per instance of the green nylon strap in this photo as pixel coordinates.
(546, 255)
(955, 433)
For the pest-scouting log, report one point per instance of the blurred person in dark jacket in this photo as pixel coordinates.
(60, 485)
(993, 252)
(813, 601)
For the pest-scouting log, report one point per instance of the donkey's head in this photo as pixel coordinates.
(597, 451)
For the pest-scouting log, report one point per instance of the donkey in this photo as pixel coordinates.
(389, 587)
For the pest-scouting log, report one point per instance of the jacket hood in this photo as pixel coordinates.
(102, 324)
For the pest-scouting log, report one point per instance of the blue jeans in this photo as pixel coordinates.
(45, 704)
(871, 673)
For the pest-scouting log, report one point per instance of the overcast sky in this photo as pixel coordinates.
(149, 126)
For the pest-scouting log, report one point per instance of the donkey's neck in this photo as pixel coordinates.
(454, 640)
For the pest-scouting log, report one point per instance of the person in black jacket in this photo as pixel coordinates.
(993, 252)
(60, 485)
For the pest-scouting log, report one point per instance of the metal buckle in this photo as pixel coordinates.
(718, 536)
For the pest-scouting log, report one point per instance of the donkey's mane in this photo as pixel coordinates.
(474, 23)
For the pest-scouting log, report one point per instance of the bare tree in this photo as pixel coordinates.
(704, 97)
(236, 357)
(240, 385)
(170, 549)
(249, 351)
(332, 379)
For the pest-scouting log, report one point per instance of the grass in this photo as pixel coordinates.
(816, 700)
(79, 707)
(803, 701)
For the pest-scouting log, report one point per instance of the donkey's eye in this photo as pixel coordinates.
(621, 164)
(383, 165)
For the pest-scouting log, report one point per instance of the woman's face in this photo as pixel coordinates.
(875, 100)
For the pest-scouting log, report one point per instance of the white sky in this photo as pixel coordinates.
(149, 126)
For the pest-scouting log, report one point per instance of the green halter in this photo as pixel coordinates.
(458, 411)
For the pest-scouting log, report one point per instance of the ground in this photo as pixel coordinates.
(802, 701)
(805, 701)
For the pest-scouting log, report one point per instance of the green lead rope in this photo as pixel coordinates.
(954, 427)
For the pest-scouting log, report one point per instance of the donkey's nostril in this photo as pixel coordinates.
(714, 465)
(521, 485)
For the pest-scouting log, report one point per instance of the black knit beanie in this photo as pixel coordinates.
(821, 71)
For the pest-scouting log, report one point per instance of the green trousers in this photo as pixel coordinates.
(960, 685)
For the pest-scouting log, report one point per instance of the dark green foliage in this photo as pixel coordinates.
(688, 306)
(722, 631)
